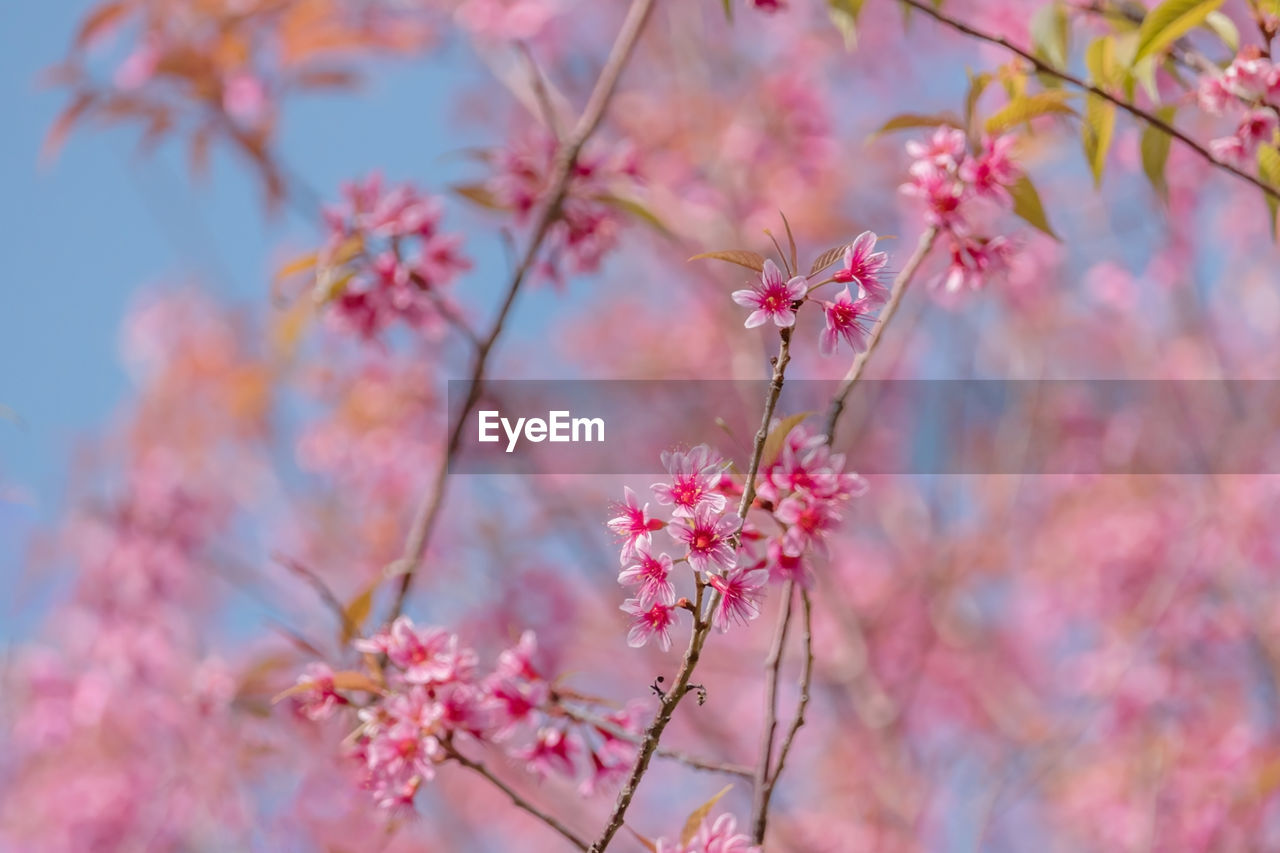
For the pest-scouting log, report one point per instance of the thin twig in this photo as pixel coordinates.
(900, 283)
(1066, 77)
(322, 590)
(419, 535)
(540, 91)
(517, 800)
(768, 780)
(702, 617)
(772, 666)
(797, 722)
(693, 761)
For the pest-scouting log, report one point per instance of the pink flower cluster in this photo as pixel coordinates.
(386, 259)
(720, 836)
(801, 491)
(1250, 85)
(775, 297)
(702, 528)
(953, 183)
(590, 219)
(433, 698)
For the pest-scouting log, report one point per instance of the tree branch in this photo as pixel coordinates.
(428, 513)
(1066, 77)
(806, 679)
(900, 283)
(702, 618)
(772, 666)
(687, 759)
(516, 800)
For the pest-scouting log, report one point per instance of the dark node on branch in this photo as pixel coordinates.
(656, 687)
(702, 692)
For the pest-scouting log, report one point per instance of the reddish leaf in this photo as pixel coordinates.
(478, 194)
(700, 814)
(326, 78)
(64, 123)
(741, 257)
(791, 242)
(826, 259)
(773, 441)
(99, 21)
(345, 680)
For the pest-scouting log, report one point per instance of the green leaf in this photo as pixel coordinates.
(977, 85)
(1170, 21)
(699, 815)
(1269, 171)
(1027, 204)
(741, 257)
(728, 10)
(1024, 109)
(638, 210)
(1097, 130)
(1100, 59)
(1155, 152)
(772, 448)
(1225, 29)
(911, 121)
(844, 15)
(1051, 34)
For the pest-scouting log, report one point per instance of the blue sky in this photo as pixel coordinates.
(84, 234)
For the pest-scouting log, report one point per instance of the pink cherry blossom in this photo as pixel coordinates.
(319, 700)
(944, 150)
(552, 751)
(694, 476)
(1231, 150)
(649, 621)
(424, 655)
(245, 98)
(740, 593)
(843, 316)
(992, 170)
(974, 263)
(708, 537)
(1257, 127)
(809, 519)
(1249, 77)
(863, 265)
(940, 189)
(633, 524)
(650, 574)
(720, 836)
(1214, 95)
(772, 298)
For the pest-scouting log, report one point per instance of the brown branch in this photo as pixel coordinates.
(772, 666)
(702, 618)
(685, 758)
(516, 800)
(540, 91)
(1066, 77)
(900, 283)
(767, 778)
(428, 513)
(797, 722)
